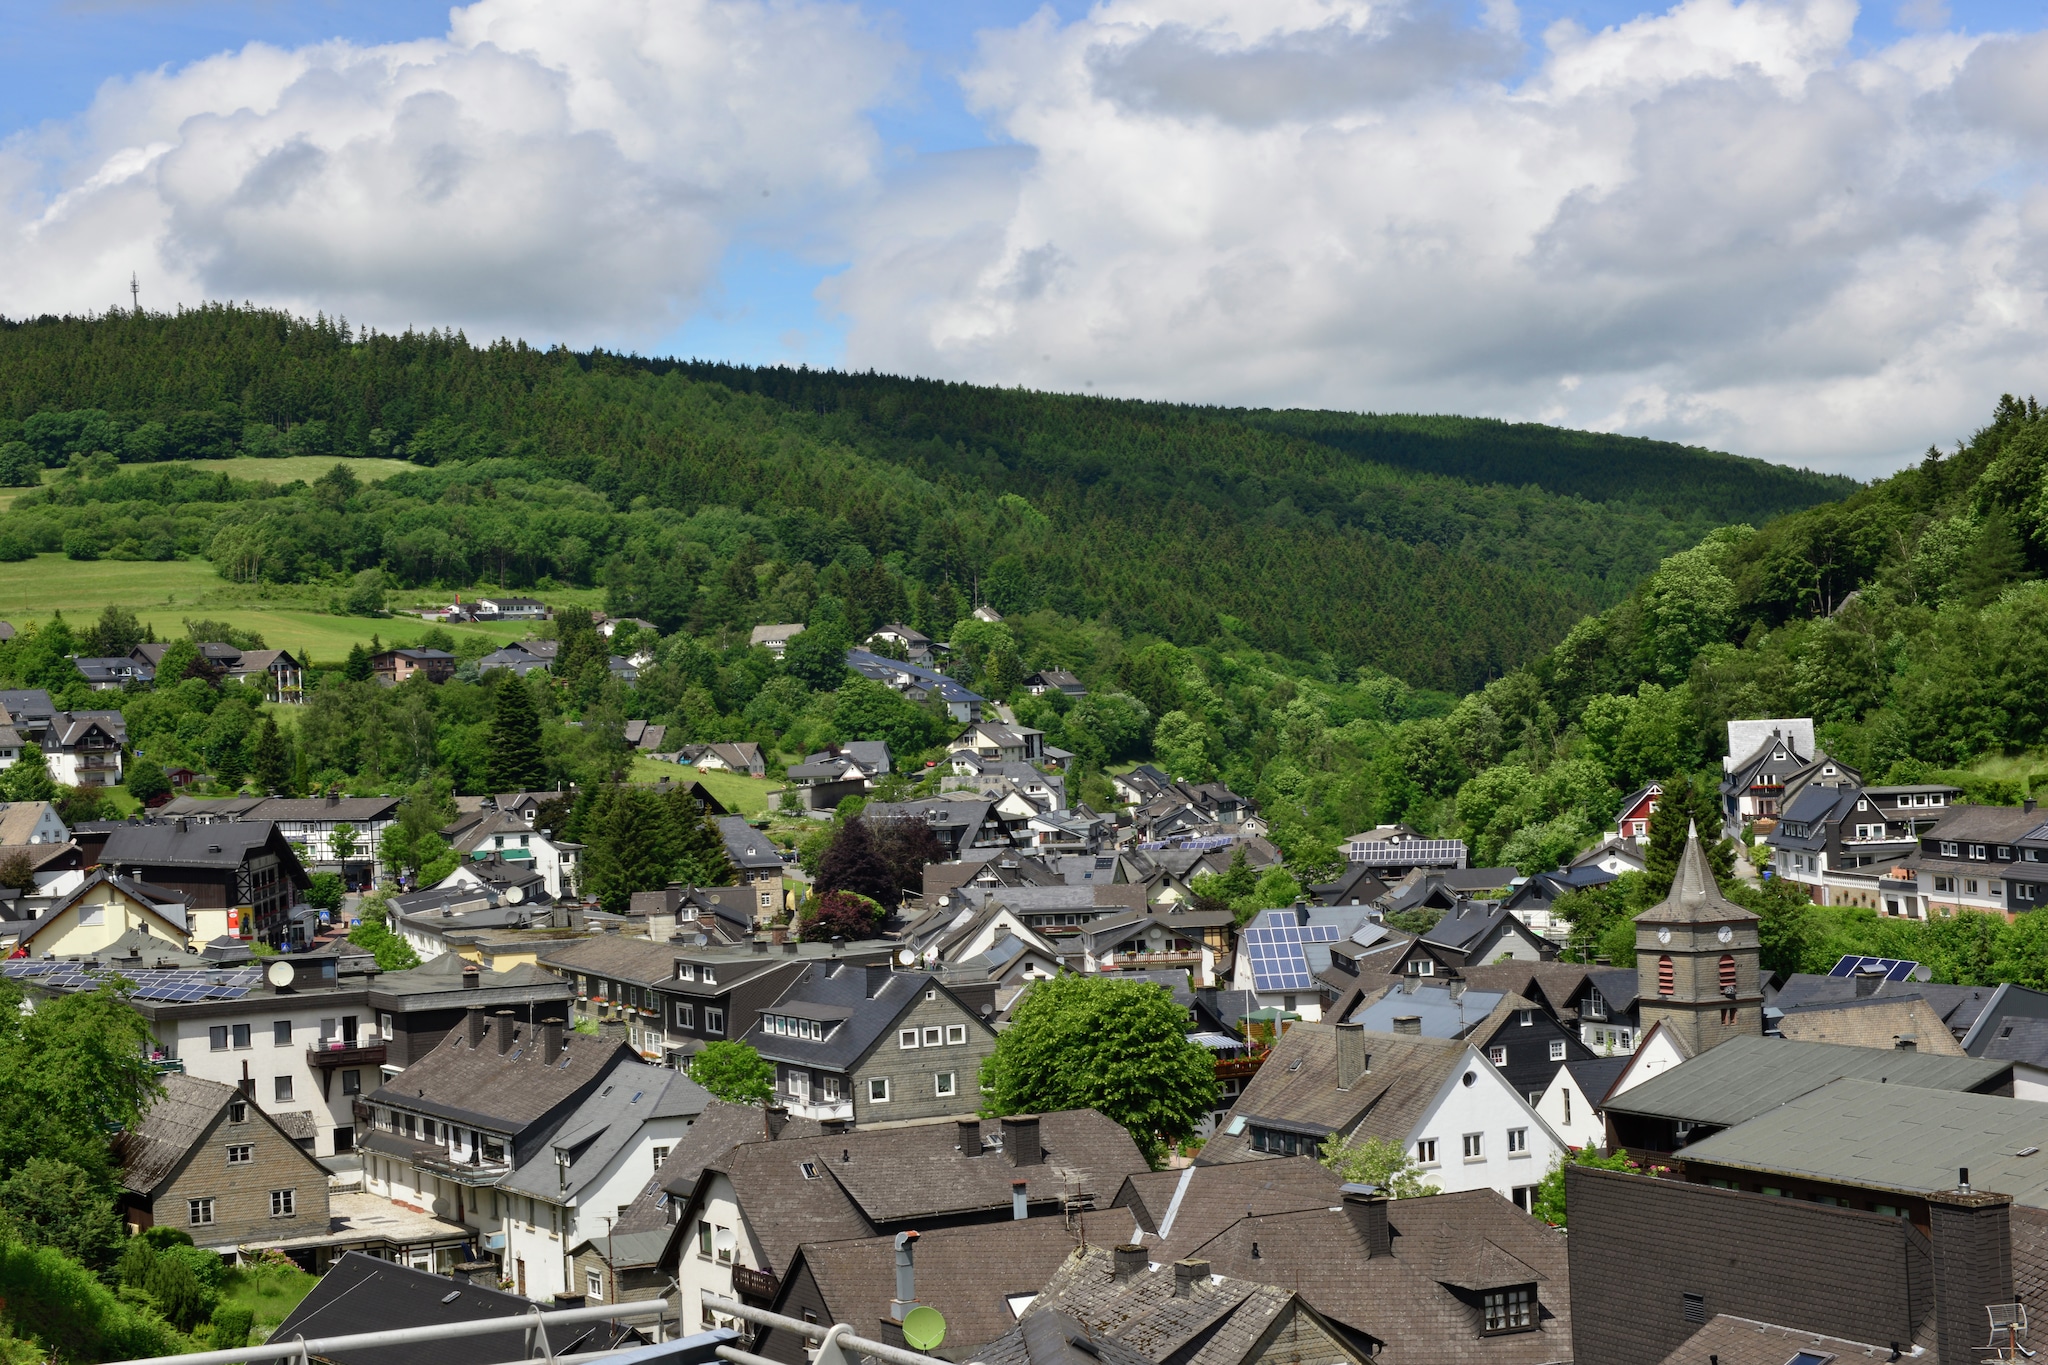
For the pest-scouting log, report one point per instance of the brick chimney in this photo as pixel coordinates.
(1971, 1232)
(1128, 1260)
(1353, 1061)
(773, 1117)
(504, 1031)
(1186, 1275)
(1366, 1207)
(970, 1137)
(476, 1027)
(550, 1041)
(1020, 1140)
(472, 978)
(1410, 1024)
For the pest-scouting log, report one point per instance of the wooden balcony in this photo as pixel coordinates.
(360, 1054)
(755, 1284)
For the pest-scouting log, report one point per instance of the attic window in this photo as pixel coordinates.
(810, 1170)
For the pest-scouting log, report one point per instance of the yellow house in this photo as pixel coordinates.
(105, 908)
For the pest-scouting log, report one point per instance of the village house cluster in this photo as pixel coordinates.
(1823, 1165)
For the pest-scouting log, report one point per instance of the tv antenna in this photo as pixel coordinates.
(135, 290)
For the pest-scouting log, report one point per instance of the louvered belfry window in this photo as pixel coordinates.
(1727, 974)
(1666, 978)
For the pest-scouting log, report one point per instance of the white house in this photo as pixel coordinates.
(1658, 1049)
(1456, 1114)
(513, 838)
(576, 1185)
(1571, 1106)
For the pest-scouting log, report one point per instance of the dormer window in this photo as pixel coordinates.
(685, 972)
(1509, 1310)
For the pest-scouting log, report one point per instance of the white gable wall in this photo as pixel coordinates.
(1565, 1108)
(1488, 1107)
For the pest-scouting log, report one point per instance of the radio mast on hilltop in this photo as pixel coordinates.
(135, 290)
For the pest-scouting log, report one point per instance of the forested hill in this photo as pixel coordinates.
(1442, 551)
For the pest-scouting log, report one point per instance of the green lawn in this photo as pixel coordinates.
(165, 594)
(270, 1293)
(746, 796)
(307, 467)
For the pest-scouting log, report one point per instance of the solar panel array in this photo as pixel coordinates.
(1408, 853)
(1894, 969)
(1274, 945)
(172, 986)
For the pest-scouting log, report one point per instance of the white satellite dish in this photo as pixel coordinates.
(945, 900)
(905, 957)
(279, 974)
(514, 894)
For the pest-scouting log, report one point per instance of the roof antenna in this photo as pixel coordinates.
(135, 291)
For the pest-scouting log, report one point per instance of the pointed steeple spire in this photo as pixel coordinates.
(1694, 884)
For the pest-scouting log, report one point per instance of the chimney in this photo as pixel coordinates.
(563, 1301)
(772, 1118)
(1186, 1275)
(481, 1273)
(789, 947)
(550, 1041)
(334, 798)
(1971, 1232)
(1410, 1024)
(2027, 805)
(878, 977)
(1127, 1260)
(1020, 1200)
(838, 942)
(760, 945)
(476, 1027)
(1366, 1207)
(611, 1032)
(1020, 1140)
(1352, 1058)
(471, 977)
(1866, 983)
(906, 1276)
(970, 1137)
(1457, 990)
(504, 1031)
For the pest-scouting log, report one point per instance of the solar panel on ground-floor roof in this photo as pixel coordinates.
(1892, 968)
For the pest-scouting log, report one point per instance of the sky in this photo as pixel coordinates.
(1799, 229)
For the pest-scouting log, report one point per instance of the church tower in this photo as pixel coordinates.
(1697, 960)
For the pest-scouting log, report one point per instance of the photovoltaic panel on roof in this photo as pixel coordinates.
(1892, 968)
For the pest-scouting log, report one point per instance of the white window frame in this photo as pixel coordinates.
(247, 1154)
(934, 1037)
(1497, 1055)
(686, 1015)
(1425, 1152)
(945, 1084)
(714, 1021)
(878, 1090)
(199, 1212)
(1557, 1049)
(1518, 1141)
(956, 1034)
(906, 1039)
(1474, 1147)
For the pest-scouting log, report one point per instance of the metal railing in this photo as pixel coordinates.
(839, 1336)
(535, 1324)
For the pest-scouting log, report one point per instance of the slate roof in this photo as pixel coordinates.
(749, 849)
(1466, 923)
(1051, 1337)
(869, 1180)
(1958, 1006)
(1218, 1321)
(615, 956)
(608, 1121)
(1874, 1022)
(1745, 1077)
(1438, 1012)
(18, 820)
(478, 1086)
(356, 810)
(1617, 985)
(721, 1127)
(1470, 1240)
(2019, 1040)
(1551, 984)
(1891, 1137)
(1596, 1076)
(842, 986)
(153, 1150)
(1297, 1087)
(964, 1272)
(1727, 1340)
(1211, 1198)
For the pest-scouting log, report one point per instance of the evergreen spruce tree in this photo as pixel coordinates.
(270, 761)
(515, 763)
(357, 666)
(700, 849)
(1694, 800)
(631, 846)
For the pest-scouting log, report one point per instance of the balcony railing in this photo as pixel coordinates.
(818, 1109)
(1239, 1068)
(330, 1055)
(755, 1284)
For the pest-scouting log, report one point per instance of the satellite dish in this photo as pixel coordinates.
(924, 1328)
(945, 900)
(514, 894)
(905, 957)
(279, 974)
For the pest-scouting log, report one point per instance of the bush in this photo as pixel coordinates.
(63, 1305)
(229, 1326)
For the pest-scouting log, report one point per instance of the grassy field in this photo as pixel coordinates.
(165, 594)
(307, 467)
(746, 796)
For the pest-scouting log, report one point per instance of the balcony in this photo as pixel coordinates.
(338, 1053)
(1239, 1068)
(749, 1283)
(821, 1110)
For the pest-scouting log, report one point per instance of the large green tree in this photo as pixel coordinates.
(1097, 1042)
(515, 761)
(1688, 801)
(734, 1072)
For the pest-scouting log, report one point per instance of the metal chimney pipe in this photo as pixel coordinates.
(906, 1276)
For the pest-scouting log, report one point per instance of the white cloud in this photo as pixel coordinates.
(570, 172)
(1722, 223)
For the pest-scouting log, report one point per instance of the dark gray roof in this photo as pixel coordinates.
(1215, 1321)
(609, 1119)
(361, 1293)
(749, 848)
(223, 844)
(1617, 985)
(869, 1017)
(153, 1150)
(1958, 1006)
(1744, 1077)
(1051, 1337)
(1596, 1076)
(1465, 923)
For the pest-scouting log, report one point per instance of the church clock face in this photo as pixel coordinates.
(1725, 934)
(1663, 936)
